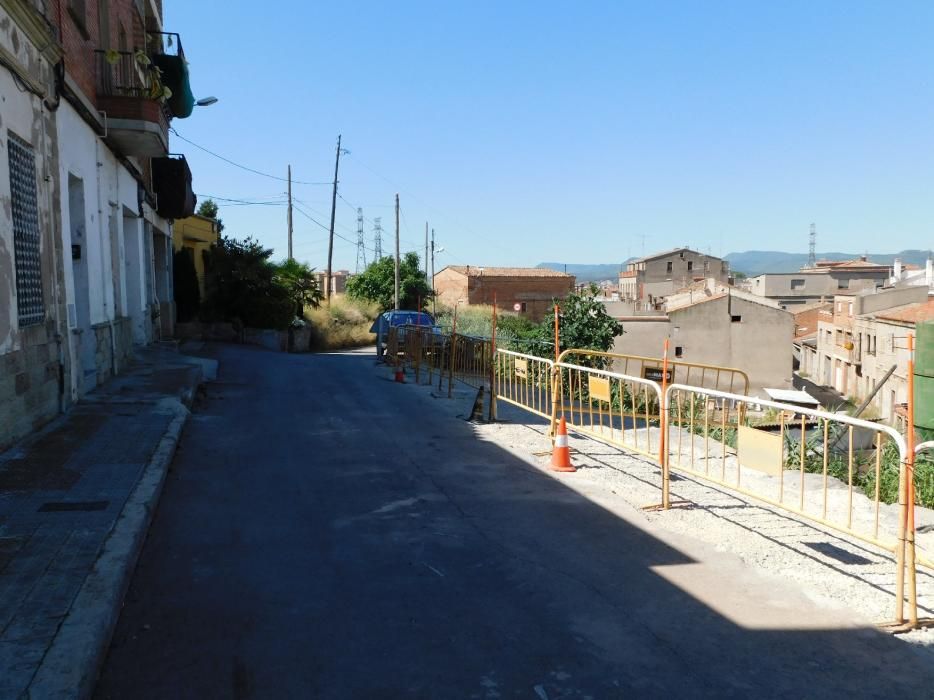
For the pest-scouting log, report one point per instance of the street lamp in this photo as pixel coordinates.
(206, 101)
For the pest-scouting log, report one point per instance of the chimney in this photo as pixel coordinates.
(898, 269)
(929, 273)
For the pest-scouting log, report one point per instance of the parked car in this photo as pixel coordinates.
(399, 318)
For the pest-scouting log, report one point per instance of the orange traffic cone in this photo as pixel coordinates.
(400, 373)
(561, 457)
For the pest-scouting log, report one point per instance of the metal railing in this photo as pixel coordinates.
(525, 381)
(730, 379)
(613, 408)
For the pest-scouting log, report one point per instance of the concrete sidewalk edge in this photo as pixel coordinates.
(72, 663)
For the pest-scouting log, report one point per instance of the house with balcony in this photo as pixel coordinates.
(653, 278)
(90, 191)
(861, 346)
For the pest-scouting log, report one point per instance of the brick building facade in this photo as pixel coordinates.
(529, 291)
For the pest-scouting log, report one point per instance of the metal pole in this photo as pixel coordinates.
(396, 288)
(663, 424)
(910, 441)
(434, 310)
(492, 416)
(290, 211)
(337, 163)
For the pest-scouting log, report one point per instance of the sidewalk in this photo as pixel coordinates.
(76, 499)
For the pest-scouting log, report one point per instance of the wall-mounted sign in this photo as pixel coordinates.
(655, 374)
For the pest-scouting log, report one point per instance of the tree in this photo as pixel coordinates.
(240, 285)
(300, 281)
(584, 323)
(377, 283)
(185, 284)
(209, 209)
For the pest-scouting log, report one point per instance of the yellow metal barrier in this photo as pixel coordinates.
(919, 448)
(616, 409)
(785, 458)
(730, 379)
(524, 381)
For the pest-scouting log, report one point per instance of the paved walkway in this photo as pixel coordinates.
(62, 492)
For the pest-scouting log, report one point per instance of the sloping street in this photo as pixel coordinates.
(327, 533)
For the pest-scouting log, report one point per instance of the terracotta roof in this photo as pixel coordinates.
(672, 251)
(910, 313)
(477, 271)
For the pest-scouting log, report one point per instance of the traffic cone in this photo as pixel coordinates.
(400, 373)
(561, 457)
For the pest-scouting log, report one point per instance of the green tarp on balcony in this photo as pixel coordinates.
(175, 77)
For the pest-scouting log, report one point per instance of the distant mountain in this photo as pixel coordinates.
(757, 262)
(586, 273)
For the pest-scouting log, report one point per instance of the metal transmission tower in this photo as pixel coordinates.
(378, 238)
(361, 245)
(812, 247)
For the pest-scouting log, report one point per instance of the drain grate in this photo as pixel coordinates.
(69, 506)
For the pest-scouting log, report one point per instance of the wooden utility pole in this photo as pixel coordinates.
(290, 212)
(337, 164)
(433, 309)
(426, 250)
(396, 295)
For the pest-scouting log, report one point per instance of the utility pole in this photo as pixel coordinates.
(426, 249)
(396, 294)
(337, 164)
(361, 243)
(378, 238)
(433, 309)
(290, 212)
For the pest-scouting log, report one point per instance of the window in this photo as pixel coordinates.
(690, 265)
(79, 13)
(523, 307)
(679, 351)
(850, 312)
(736, 319)
(797, 284)
(669, 266)
(843, 284)
(25, 211)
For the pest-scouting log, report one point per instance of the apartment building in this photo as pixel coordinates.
(726, 328)
(529, 291)
(652, 278)
(90, 191)
(809, 285)
(861, 338)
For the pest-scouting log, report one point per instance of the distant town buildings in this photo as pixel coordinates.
(820, 282)
(860, 338)
(651, 279)
(529, 291)
(338, 281)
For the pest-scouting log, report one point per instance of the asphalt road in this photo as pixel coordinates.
(326, 533)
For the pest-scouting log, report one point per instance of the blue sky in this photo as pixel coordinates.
(580, 132)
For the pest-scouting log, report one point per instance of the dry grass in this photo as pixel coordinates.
(345, 325)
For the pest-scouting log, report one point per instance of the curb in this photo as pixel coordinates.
(72, 663)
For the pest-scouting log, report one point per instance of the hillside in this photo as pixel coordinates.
(756, 262)
(587, 273)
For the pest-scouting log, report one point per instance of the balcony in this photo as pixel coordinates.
(140, 91)
(130, 94)
(171, 181)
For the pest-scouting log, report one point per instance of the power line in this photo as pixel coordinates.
(243, 167)
(241, 202)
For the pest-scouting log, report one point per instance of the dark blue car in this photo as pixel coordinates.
(395, 319)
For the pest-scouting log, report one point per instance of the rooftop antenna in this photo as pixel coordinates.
(812, 247)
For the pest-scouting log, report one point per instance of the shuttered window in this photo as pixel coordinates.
(25, 210)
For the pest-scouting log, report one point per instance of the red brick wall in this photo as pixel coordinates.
(535, 292)
(79, 43)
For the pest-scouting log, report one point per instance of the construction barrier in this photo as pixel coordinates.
(778, 454)
(730, 379)
(525, 381)
(613, 408)
(923, 558)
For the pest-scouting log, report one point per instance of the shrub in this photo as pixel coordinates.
(346, 324)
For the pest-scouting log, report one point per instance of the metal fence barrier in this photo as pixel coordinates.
(613, 408)
(775, 453)
(730, 379)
